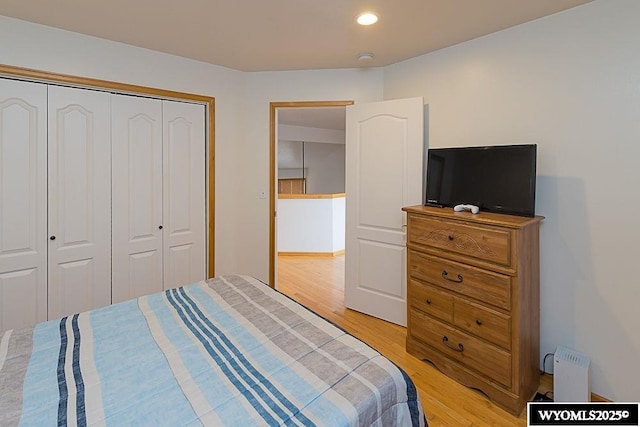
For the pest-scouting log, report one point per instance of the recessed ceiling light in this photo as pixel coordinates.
(367, 18)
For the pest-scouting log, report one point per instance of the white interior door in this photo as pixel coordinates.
(79, 200)
(384, 154)
(137, 196)
(23, 207)
(184, 193)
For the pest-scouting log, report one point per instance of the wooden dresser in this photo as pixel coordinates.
(473, 305)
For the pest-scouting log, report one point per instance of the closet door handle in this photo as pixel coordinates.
(52, 238)
(159, 227)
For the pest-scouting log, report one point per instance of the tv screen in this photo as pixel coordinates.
(498, 178)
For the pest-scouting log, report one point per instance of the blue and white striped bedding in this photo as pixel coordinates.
(228, 351)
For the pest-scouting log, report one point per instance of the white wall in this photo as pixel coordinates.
(571, 84)
(325, 169)
(44, 48)
(290, 159)
(339, 223)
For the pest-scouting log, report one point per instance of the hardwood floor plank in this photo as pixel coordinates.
(318, 283)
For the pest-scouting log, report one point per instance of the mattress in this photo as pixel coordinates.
(226, 351)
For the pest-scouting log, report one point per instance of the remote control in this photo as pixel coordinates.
(473, 208)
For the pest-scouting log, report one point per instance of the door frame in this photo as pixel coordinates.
(273, 168)
(29, 74)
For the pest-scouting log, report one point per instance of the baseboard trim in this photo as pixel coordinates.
(324, 254)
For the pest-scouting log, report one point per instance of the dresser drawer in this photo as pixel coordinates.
(492, 288)
(431, 300)
(472, 352)
(483, 243)
(483, 322)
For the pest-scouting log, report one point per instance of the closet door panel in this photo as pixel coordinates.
(79, 200)
(23, 204)
(184, 193)
(137, 196)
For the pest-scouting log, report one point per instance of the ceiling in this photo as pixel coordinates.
(323, 117)
(276, 35)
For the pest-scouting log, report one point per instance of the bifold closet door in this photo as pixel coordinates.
(184, 193)
(137, 196)
(23, 204)
(79, 200)
(158, 183)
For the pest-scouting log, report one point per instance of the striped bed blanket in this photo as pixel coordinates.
(226, 351)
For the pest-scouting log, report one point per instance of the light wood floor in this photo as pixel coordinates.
(318, 283)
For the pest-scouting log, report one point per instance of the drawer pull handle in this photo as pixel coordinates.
(479, 322)
(445, 275)
(428, 301)
(459, 349)
(450, 236)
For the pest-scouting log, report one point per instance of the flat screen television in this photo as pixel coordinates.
(499, 178)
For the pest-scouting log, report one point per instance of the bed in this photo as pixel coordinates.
(226, 351)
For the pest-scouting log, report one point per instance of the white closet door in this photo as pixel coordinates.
(184, 193)
(137, 196)
(79, 200)
(23, 204)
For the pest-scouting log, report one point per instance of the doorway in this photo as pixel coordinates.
(275, 109)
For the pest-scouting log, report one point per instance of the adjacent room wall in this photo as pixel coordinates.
(325, 170)
(323, 165)
(570, 83)
(324, 156)
(44, 48)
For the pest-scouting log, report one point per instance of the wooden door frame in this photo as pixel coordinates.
(124, 88)
(273, 167)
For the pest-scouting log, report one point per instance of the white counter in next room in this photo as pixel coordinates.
(310, 224)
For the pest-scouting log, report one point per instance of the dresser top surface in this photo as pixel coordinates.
(489, 218)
